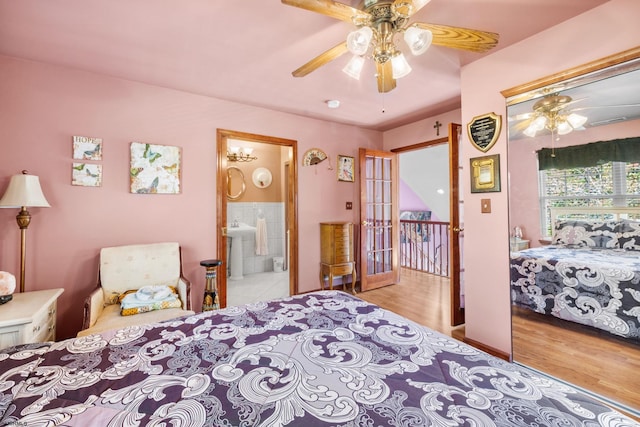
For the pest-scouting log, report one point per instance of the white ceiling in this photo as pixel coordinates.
(245, 50)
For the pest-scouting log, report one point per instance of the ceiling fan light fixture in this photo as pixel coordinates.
(358, 41)
(399, 66)
(576, 120)
(418, 39)
(539, 123)
(354, 67)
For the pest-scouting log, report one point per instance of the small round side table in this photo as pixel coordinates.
(211, 301)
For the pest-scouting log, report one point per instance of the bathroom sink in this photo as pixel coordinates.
(241, 230)
(236, 234)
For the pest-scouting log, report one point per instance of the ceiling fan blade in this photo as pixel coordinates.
(606, 106)
(521, 117)
(461, 38)
(330, 8)
(321, 60)
(409, 7)
(386, 82)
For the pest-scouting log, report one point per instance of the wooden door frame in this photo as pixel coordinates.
(222, 135)
(456, 311)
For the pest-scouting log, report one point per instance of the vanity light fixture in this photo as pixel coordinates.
(240, 154)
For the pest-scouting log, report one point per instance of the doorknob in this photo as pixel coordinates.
(457, 229)
(365, 223)
(224, 231)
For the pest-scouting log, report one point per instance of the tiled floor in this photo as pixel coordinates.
(257, 287)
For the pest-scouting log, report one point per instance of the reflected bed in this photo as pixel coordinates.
(324, 358)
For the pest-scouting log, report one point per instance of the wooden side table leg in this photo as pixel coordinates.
(321, 278)
(330, 279)
(353, 279)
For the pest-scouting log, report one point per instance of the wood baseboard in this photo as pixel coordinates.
(487, 349)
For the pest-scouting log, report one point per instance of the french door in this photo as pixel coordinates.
(379, 223)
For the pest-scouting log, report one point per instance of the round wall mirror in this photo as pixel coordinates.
(235, 183)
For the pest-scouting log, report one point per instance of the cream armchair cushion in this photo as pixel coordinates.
(124, 268)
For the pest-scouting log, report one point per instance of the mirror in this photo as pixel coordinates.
(235, 183)
(559, 327)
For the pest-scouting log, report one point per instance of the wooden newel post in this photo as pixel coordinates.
(211, 301)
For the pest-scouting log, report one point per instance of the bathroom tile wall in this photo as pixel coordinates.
(248, 212)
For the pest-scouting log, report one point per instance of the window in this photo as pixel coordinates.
(610, 184)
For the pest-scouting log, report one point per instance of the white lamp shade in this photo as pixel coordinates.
(354, 67)
(358, 41)
(399, 66)
(24, 190)
(418, 39)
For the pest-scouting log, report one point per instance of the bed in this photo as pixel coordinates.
(324, 358)
(589, 274)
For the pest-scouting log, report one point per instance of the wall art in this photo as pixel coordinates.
(345, 168)
(86, 175)
(485, 174)
(155, 169)
(87, 148)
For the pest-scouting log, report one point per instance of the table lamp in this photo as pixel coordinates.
(23, 191)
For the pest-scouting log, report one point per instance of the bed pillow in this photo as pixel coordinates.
(628, 233)
(148, 298)
(578, 233)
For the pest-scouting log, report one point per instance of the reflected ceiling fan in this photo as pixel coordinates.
(554, 113)
(378, 23)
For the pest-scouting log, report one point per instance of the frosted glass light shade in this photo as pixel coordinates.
(354, 67)
(564, 128)
(358, 41)
(418, 39)
(399, 66)
(530, 131)
(24, 190)
(576, 120)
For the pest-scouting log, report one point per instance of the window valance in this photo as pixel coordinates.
(594, 153)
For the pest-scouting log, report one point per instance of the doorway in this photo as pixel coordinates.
(447, 185)
(257, 217)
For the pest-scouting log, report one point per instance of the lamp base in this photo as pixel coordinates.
(5, 298)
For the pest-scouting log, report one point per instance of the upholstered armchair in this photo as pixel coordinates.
(129, 268)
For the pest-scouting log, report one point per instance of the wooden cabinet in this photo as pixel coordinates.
(336, 253)
(29, 317)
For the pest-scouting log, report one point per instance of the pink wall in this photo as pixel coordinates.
(570, 44)
(43, 106)
(523, 183)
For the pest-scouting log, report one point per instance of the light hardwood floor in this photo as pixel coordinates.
(424, 298)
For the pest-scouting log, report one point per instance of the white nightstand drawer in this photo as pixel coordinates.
(29, 317)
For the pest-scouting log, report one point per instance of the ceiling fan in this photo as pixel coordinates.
(378, 22)
(553, 112)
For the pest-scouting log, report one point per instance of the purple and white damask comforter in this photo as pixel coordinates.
(325, 358)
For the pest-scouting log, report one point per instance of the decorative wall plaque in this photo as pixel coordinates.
(484, 131)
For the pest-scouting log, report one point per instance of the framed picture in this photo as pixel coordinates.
(155, 169)
(485, 174)
(345, 168)
(87, 148)
(86, 175)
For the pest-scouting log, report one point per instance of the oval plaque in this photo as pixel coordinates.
(484, 131)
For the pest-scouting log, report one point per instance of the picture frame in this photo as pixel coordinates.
(86, 175)
(155, 169)
(346, 168)
(485, 174)
(87, 148)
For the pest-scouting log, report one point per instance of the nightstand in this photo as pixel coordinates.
(29, 317)
(518, 244)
